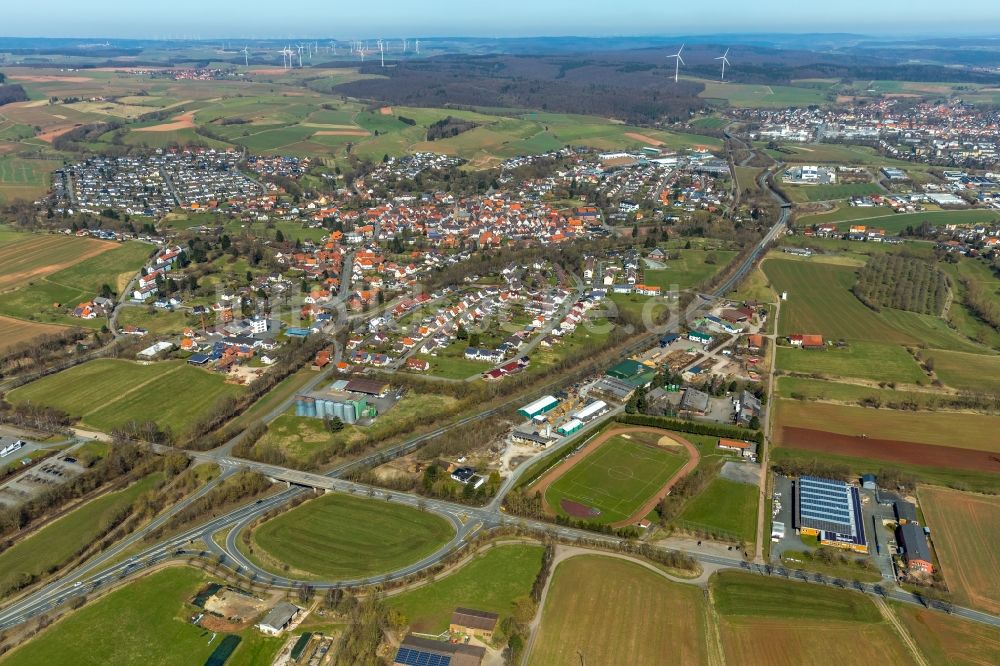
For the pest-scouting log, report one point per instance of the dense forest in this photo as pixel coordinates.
(448, 127)
(12, 93)
(645, 94)
(904, 283)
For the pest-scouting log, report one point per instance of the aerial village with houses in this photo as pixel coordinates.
(607, 337)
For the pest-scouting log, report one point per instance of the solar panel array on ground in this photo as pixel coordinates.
(410, 657)
(825, 504)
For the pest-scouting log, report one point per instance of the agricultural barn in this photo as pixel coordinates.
(416, 651)
(540, 406)
(915, 550)
(367, 387)
(278, 618)
(830, 510)
(473, 622)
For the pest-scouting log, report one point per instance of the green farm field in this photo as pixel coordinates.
(690, 270)
(726, 508)
(58, 542)
(490, 582)
(964, 526)
(27, 256)
(339, 537)
(105, 393)
(966, 372)
(619, 612)
(832, 192)
(949, 640)
(861, 360)
(149, 621)
(618, 477)
(48, 295)
(953, 429)
(820, 301)
(749, 95)
(777, 622)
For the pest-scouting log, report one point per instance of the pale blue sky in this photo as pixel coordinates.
(390, 18)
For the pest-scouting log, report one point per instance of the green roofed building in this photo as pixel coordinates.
(627, 369)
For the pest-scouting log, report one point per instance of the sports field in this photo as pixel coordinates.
(617, 474)
(725, 508)
(946, 639)
(57, 543)
(951, 429)
(618, 612)
(490, 582)
(145, 622)
(770, 622)
(105, 393)
(340, 537)
(963, 531)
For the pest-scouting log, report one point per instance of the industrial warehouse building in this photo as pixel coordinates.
(591, 411)
(570, 427)
(540, 406)
(830, 510)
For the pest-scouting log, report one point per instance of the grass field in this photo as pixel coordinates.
(965, 431)
(825, 390)
(490, 582)
(58, 542)
(963, 532)
(149, 623)
(105, 393)
(832, 192)
(967, 372)
(157, 322)
(752, 95)
(618, 612)
(893, 223)
(50, 295)
(775, 622)
(15, 331)
(950, 640)
(690, 270)
(24, 257)
(863, 360)
(820, 301)
(338, 537)
(726, 508)
(617, 478)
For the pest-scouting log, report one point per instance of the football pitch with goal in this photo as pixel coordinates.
(617, 478)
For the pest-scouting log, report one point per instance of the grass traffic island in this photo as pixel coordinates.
(772, 621)
(618, 612)
(618, 477)
(145, 622)
(490, 582)
(339, 537)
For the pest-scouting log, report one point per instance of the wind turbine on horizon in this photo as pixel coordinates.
(246, 55)
(725, 61)
(677, 63)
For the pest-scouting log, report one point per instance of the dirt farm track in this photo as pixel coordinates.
(562, 468)
(948, 457)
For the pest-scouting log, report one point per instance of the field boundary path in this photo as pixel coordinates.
(904, 635)
(572, 461)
